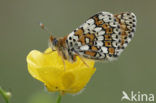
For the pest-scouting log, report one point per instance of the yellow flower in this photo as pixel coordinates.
(49, 69)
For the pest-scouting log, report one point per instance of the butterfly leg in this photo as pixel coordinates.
(63, 60)
(83, 61)
(64, 63)
(74, 59)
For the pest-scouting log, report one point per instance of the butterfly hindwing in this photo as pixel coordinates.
(103, 36)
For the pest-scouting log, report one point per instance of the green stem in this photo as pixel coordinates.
(3, 93)
(59, 98)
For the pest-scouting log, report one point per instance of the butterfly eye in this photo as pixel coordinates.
(55, 42)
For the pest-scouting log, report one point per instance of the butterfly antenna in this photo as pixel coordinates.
(45, 28)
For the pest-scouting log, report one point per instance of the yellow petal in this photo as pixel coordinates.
(49, 68)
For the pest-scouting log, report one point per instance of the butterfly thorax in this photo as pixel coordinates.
(59, 44)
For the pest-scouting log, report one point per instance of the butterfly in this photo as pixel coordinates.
(103, 37)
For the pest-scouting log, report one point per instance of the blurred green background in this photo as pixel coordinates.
(20, 33)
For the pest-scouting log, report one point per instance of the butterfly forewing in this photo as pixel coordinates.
(102, 36)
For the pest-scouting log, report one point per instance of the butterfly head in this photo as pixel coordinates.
(53, 42)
